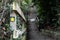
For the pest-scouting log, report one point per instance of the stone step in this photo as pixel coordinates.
(53, 34)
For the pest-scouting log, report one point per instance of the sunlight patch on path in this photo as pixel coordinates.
(32, 20)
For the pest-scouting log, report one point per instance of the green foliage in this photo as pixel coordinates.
(47, 12)
(25, 5)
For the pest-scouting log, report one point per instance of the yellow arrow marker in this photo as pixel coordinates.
(12, 19)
